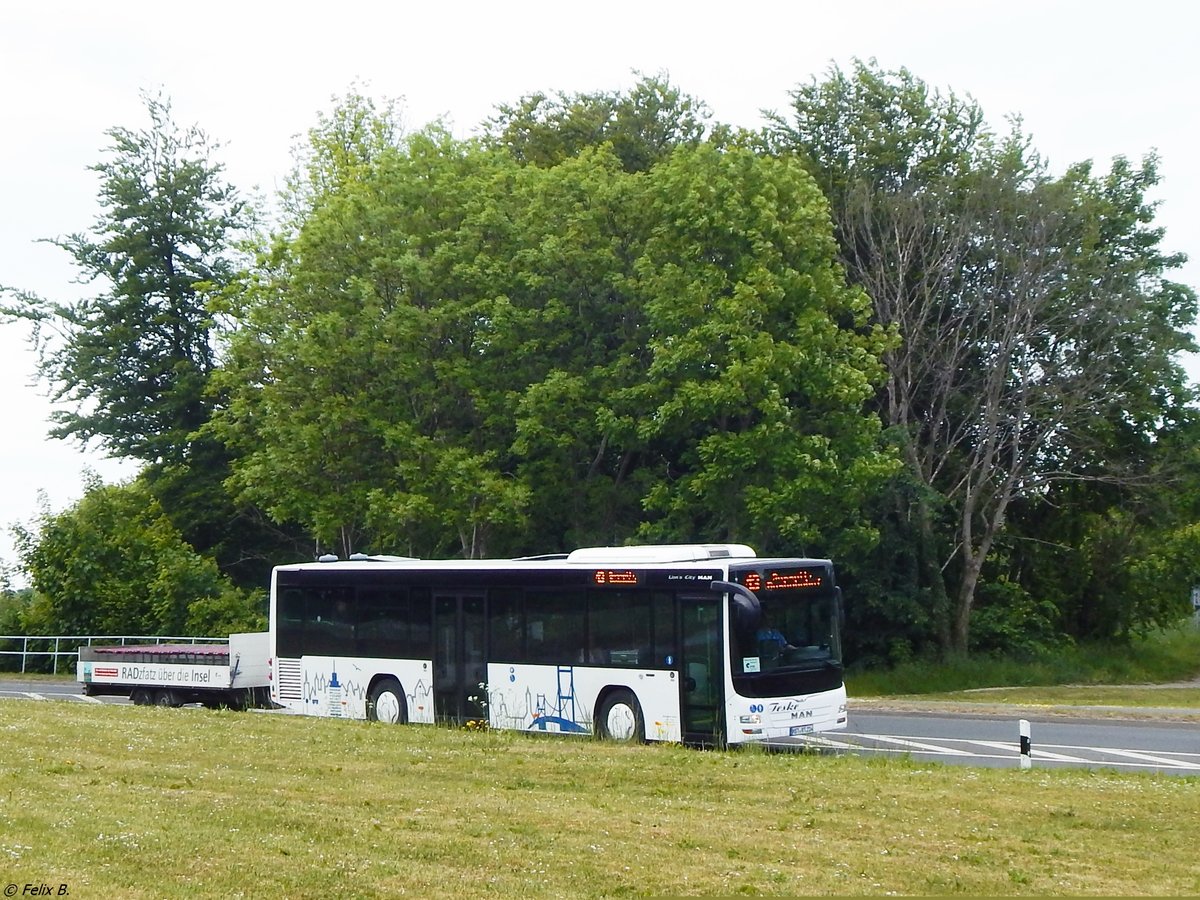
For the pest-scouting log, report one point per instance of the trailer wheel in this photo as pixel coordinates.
(387, 702)
(166, 697)
(619, 718)
(142, 696)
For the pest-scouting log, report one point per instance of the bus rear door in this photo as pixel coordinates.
(458, 660)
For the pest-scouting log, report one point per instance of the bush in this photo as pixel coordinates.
(1008, 622)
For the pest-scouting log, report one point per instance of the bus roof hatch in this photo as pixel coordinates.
(660, 553)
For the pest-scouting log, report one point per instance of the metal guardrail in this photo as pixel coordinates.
(69, 644)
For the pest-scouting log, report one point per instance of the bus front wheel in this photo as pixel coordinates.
(387, 703)
(619, 717)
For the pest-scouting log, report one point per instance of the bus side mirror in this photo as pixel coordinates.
(745, 612)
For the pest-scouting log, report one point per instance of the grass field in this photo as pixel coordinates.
(121, 801)
(1164, 656)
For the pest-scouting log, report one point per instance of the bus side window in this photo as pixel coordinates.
(289, 618)
(420, 633)
(664, 628)
(554, 627)
(506, 626)
(330, 621)
(384, 619)
(619, 627)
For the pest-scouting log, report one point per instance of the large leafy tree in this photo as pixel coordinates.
(131, 362)
(458, 351)
(349, 373)
(1116, 557)
(1035, 316)
(380, 373)
(115, 564)
(761, 359)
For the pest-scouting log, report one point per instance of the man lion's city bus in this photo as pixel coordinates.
(699, 643)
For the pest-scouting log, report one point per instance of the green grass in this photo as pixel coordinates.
(1171, 655)
(146, 802)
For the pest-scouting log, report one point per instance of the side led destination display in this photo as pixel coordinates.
(614, 576)
(784, 580)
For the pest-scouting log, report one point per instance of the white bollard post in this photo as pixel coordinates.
(1026, 745)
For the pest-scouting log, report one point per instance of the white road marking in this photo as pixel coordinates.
(1039, 751)
(907, 742)
(1148, 757)
(1011, 751)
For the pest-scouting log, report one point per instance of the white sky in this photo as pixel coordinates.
(1091, 79)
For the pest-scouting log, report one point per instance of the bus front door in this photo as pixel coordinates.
(702, 668)
(458, 662)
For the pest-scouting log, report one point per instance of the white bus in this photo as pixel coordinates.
(698, 643)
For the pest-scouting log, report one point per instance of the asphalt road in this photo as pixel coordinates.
(1142, 741)
(993, 740)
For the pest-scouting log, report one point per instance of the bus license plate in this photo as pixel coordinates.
(800, 729)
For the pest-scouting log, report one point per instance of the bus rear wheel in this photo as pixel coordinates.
(387, 702)
(619, 718)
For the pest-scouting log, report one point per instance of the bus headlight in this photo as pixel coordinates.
(754, 719)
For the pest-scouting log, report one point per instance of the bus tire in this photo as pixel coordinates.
(619, 717)
(142, 697)
(387, 702)
(166, 697)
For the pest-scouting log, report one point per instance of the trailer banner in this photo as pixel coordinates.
(158, 674)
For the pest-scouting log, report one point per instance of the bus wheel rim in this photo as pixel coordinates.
(387, 707)
(620, 722)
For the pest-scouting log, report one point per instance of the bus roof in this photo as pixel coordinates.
(637, 555)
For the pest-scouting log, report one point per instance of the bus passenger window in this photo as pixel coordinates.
(619, 625)
(554, 628)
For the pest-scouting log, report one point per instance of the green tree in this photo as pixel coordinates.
(352, 369)
(130, 366)
(453, 350)
(133, 361)
(336, 150)
(761, 359)
(1034, 312)
(642, 126)
(114, 564)
(1117, 556)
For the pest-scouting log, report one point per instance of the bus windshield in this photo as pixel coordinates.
(797, 631)
(796, 646)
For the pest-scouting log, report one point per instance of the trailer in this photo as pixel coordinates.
(236, 674)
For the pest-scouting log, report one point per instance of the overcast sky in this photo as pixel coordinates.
(1090, 79)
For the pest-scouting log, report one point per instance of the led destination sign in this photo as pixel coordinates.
(614, 576)
(786, 580)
